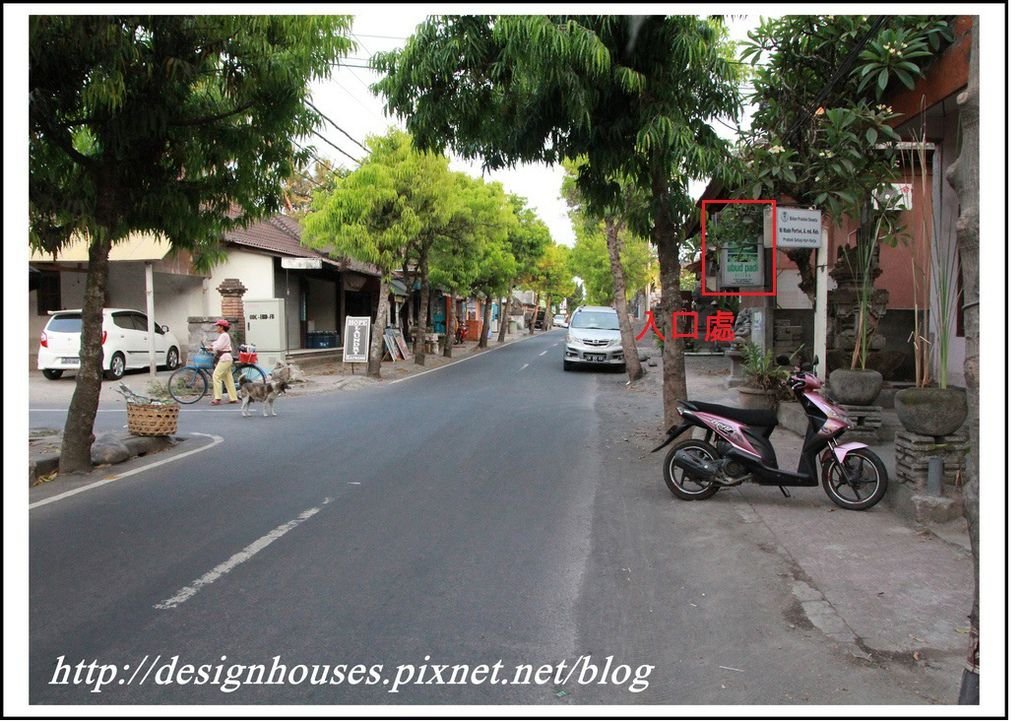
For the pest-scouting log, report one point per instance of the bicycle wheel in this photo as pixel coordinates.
(187, 385)
(247, 373)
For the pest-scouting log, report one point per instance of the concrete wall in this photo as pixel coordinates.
(255, 271)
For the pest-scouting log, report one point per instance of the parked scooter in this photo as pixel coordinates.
(735, 449)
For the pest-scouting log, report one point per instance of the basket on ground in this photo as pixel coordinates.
(153, 420)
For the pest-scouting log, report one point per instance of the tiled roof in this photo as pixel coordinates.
(279, 235)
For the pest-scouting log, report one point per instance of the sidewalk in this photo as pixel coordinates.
(319, 376)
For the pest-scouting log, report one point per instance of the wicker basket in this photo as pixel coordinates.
(153, 420)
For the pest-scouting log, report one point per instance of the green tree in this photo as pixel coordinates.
(634, 95)
(553, 279)
(381, 214)
(496, 270)
(473, 251)
(621, 266)
(161, 124)
(528, 238)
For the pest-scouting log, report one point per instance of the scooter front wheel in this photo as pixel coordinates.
(858, 483)
(679, 482)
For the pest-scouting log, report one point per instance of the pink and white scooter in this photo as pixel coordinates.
(735, 449)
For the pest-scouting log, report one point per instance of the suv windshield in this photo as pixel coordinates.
(66, 323)
(596, 320)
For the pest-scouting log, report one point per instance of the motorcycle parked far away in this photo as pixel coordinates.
(735, 449)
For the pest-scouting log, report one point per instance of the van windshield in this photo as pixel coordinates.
(596, 320)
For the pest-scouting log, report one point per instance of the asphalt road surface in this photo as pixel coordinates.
(485, 533)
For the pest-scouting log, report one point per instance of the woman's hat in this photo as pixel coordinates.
(223, 323)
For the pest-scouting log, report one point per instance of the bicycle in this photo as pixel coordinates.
(191, 383)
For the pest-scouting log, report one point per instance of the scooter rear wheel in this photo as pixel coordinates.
(859, 483)
(678, 481)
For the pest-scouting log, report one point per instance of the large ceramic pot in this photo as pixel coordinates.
(859, 387)
(932, 411)
(756, 398)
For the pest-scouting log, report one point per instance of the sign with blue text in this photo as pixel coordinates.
(795, 228)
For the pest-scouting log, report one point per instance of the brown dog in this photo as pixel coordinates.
(263, 392)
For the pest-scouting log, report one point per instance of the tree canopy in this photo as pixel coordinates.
(178, 125)
(634, 95)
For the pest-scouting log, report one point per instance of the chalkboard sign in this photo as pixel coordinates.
(392, 345)
(396, 334)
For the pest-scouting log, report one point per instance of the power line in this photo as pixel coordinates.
(345, 132)
(337, 148)
(319, 160)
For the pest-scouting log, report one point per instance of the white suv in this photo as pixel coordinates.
(125, 343)
(593, 338)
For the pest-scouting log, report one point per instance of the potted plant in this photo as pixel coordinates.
(859, 385)
(931, 409)
(764, 379)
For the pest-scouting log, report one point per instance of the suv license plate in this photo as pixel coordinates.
(593, 357)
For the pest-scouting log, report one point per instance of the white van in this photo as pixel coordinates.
(125, 343)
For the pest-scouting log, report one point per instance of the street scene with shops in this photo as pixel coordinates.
(634, 361)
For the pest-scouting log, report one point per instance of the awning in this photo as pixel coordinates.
(398, 288)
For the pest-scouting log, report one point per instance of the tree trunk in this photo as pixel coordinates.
(486, 322)
(674, 384)
(963, 176)
(634, 370)
(76, 445)
(377, 337)
(506, 309)
(449, 331)
(421, 322)
(533, 318)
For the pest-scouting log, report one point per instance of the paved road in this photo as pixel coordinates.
(494, 513)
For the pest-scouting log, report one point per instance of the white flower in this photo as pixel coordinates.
(776, 149)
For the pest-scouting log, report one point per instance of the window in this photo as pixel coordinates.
(66, 324)
(48, 292)
(124, 320)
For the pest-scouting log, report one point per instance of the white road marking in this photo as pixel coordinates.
(459, 361)
(237, 559)
(522, 367)
(70, 493)
(543, 352)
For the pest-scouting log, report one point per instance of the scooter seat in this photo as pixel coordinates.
(752, 417)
